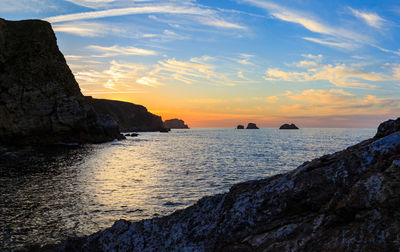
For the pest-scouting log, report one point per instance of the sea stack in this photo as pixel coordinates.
(251, 126)
(175, 124)
(40, 101)
(288, 126)
(240, 127)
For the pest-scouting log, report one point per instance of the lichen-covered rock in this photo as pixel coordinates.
(346, 201)
(40, 101)
(130, 117)
(175, 124)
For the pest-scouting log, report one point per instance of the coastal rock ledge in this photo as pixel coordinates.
(345, 201)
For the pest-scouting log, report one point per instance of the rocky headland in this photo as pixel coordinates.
(288, 126)
(175, 124)
(40, 100)
(345, 201)
(130, 117)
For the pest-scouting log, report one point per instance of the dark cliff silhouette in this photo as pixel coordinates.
(40, 100)
(129, 116)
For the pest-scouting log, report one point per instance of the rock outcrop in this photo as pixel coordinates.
(129, 116)
(288, 126)
(175, 124)
(240, 127)
(346, 201)
(40, 101)
(251, 126)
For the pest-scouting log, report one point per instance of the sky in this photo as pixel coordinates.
(229, 62)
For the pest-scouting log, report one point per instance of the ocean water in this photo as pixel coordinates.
(49, 194)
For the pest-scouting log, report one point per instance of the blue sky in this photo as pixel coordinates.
(220, 63)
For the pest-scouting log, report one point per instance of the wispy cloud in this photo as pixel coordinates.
(332, 36)
(204, 15)
(331, 43)
(370, 18)
(340, 75)
(336, 101)
(217, 22)
(117, 50)
(186, 72)
(87, 29)
(148, 81)
(92, 3)
(118, 77)
(245, 59)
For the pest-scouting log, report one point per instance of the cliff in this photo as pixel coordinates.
(129, 116)
(40, 101)
(345, 201)
(175, 124)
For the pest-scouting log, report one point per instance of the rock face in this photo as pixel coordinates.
(240, 127)
(175, 124)
(252, 126)
(288, 126)
(40, 101)
(346, 201)
(130, 117)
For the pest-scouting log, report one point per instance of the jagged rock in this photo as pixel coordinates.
(175, 124)
(345, 201)
(240, 127)
(40, 101)
(130, 117)
(288, 126)
(387, 128)
(252, 126)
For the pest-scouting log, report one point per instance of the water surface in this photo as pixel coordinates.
(49, 194)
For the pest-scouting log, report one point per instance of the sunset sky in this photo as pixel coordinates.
(223, 63)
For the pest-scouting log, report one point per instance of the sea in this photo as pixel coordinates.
(50, 193)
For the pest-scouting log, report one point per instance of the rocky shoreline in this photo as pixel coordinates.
(345, 201)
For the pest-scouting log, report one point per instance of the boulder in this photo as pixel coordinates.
(345, 201)
(288, 126)
(252, 126)
(175, 124)
(240, 127)
(40, 101)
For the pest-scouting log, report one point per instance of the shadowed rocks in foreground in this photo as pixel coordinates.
(346, 201)
(40, 101)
